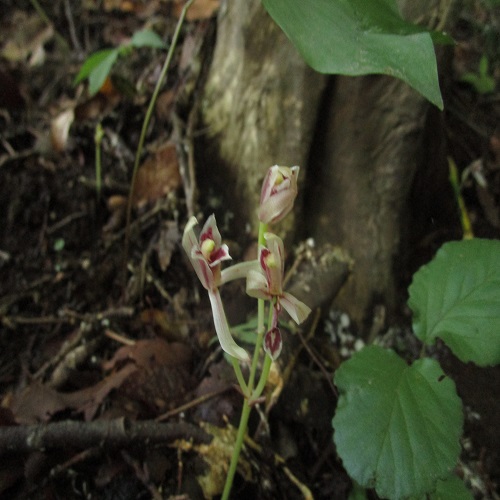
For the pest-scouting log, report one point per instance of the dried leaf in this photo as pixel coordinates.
(157, 176)
(146, 352)
(117, 205)
(88, 400)
(141, 8)
(59, 129)
(37, 403)
(218, 455)
(163, 376)
(200, 9)
(25, 36)
(167, 243)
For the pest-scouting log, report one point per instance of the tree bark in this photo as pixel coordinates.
(259, 107)
(370, 151)
(375, 141)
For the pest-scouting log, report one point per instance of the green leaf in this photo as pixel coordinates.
(91, 63)
(357, 492)
(451, 488)
(356, 37)
(397, 427)
(147, 38)
(97, 67)
(456, 297)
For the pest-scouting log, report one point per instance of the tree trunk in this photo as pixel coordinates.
(371, 149)
(259, 107)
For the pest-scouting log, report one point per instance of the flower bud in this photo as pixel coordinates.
(278, 193)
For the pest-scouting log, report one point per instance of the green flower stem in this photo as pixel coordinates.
(267, 364)
(258, 343)
(242, 429)
(263, 378)
(239, 376)
(248, 389)
(262, 230)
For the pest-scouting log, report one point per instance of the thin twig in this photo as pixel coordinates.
(192, 404)
(324, 371)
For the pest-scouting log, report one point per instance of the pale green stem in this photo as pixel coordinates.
(263, 378)
(147, 119)
(267, 364)
(242, 429)
(258, 343)
(245, 412)
(239, 376)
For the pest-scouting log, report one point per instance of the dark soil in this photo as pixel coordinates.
(95, 329)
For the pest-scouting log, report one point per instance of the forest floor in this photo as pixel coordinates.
(110, 342)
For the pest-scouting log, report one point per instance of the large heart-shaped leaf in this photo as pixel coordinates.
(457, 297)
(397, 427)
(356, 37)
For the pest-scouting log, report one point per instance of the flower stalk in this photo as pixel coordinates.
(264, 281)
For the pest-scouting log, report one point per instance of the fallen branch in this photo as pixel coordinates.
(118, 433)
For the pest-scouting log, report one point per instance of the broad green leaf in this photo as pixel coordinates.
(397, 427)
(456, 297)
(91, 63)
(147, 38)
(97, 67)
(451, 488)
(99, 74)
(356, 37)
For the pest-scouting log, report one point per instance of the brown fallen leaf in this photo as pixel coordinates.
(157, 176)
(117, 205)
(25, 36)
(200, 9)
(146, 352)
(163, 376)
(38, 402)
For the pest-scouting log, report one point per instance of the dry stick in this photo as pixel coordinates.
(145, 125)
(107, 434)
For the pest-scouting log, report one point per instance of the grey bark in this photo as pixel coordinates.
(259, 106)
(371, 151)
(374, 143)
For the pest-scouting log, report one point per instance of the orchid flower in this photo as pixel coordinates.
(206, 255)
(279, 190)
(266, 282)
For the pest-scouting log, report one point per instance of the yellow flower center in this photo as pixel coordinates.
(271, 261)
(207, 247)
(279, 179)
